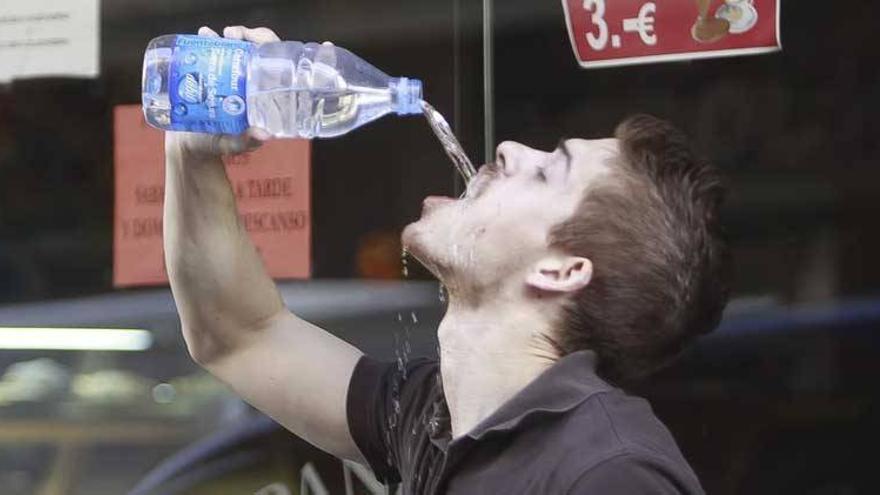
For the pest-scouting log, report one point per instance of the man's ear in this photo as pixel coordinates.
(560, 274)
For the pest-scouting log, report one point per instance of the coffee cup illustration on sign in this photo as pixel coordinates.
(741, 14)
(732, 17)
(708, 29)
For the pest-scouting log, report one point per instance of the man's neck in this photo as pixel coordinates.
(488, 354)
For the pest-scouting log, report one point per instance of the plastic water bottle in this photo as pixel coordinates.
(288, 88)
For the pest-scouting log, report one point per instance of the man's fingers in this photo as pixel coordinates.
(259, 134)
(256, 35)
(206, 31)
(261, 35)
(231, 145)
(253, 143)
(234, 32)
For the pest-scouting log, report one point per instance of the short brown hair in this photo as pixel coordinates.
(659, 262)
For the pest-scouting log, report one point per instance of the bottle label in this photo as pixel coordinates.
(208, 85)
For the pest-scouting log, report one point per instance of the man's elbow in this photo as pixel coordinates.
(205, 350)
(210, 342)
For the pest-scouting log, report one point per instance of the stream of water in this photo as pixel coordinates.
(450, 142)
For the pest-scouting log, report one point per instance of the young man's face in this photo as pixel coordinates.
(499, 231)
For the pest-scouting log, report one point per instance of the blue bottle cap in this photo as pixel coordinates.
(406, 95)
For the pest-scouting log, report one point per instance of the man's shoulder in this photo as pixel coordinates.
(614, 443)
(634, 470)
(616, 424)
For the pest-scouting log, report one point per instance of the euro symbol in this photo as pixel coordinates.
(643, 24)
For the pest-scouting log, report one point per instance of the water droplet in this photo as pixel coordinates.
(455, 251)
(395, 413)
(404, 261)
(388, 451)
(412, 315)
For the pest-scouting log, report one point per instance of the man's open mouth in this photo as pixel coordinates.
(476, 187)
(481, 181)
(433, 202)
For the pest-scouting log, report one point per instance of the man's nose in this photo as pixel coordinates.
(508, 156)
(515, 158)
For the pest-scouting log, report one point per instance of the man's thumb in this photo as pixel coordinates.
(234, 145)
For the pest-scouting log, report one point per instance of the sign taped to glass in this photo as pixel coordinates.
(272, 186)
(609, 33)
(49, 38)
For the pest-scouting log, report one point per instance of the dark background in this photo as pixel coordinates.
(782, 400)
(792, 131)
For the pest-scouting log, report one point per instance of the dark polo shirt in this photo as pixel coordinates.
(567, 432)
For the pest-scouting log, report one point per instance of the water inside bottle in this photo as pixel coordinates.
(450, 142)
(308, 113)
(157, 105)
(298, 96)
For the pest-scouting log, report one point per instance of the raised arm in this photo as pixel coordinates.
(234, 321)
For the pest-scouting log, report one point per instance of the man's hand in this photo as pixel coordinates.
(195, 145)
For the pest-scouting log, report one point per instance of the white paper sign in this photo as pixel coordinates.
(48, 38)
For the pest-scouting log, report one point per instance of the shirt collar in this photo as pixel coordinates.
(560, 388)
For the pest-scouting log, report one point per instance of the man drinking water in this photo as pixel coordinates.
(568, 272)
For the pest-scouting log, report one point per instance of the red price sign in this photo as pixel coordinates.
(607, 33)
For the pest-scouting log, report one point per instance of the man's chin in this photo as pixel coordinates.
(417, 244)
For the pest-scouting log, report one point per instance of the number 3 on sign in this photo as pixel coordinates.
(597, 7)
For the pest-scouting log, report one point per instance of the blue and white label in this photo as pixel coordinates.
(190, 88)
(208, 85)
